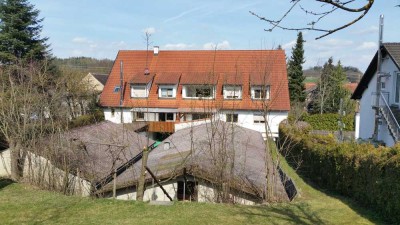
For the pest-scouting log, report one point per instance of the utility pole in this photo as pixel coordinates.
(378, 81)
(142, 178)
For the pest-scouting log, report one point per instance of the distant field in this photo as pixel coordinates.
(312, 75)
(24, 204)
(311, 80)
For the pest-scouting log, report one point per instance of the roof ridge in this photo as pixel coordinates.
(204, 50)
(391, 43)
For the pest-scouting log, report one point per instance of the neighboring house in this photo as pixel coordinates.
(311, 87)
(167, 88)
(389, 99)
(193, 165)
(96, 81)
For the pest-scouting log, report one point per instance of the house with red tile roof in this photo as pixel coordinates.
(172, 88)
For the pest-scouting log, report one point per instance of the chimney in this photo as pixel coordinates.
(156, 48)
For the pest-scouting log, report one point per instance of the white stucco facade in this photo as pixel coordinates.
(205, 192)
(245, 118)
(365, 123)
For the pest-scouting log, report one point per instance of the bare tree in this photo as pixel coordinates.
(33, 111)
(328, 7)
(24, 103)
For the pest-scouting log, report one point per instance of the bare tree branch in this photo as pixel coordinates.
(337, 5)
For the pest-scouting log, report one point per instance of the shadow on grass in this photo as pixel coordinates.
(294, 213)
(4, 182)
(366, 213)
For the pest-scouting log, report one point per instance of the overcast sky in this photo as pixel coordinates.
(99, 28)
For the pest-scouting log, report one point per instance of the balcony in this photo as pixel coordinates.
(162, 127)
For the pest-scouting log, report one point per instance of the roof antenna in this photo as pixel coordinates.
(378, 82)
(148, 43)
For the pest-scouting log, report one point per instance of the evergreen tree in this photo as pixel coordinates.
(295, 72)
(323, 90)
(330, 89)
(20, 30)
(338, 91)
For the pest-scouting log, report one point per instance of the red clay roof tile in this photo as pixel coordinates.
(199, 67)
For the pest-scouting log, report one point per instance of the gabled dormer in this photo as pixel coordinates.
(260, 86)
(167, 85)
(140, 85)
(199, 86)
(232, 86)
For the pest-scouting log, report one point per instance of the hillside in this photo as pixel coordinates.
(86, 64)
(353, 74)
(24, 204)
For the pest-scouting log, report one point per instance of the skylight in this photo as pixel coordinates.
(117, 89)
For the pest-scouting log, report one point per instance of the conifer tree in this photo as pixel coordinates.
(20, 30)
(295, 72)
(338, 90)
(330, 89)
(323, 90)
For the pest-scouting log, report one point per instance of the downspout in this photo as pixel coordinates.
(121, 99)
(378, 81)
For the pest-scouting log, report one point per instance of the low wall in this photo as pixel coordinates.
(5, 163)
(40, 171)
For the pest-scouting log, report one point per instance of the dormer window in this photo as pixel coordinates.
(232, 92)
(260, 92)
(198, 91)
(139, 91)
(167, 91)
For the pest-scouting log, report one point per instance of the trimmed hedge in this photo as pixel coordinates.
(328, 121)
(367, 174)
(88, 119)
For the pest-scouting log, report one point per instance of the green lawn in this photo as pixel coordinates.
(24, 204)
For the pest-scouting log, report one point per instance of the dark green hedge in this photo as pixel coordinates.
(328, 121)
(367, 174)
(84, 120)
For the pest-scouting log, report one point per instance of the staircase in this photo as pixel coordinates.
(391, 116)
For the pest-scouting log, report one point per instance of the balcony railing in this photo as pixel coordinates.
(384, 95)
(162, 127)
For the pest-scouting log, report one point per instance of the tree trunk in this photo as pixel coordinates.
(15, 153)
(141, 183)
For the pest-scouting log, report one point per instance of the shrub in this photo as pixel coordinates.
(328, 121)
(88, 119)
(367, 174)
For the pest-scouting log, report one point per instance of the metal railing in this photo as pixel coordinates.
(384, 94)
(390, 118)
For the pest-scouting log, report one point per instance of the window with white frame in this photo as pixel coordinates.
(258, 118)
(166, 92)
(138, 116)
(260, 92)
(198, 91)
(233, 92)
(232, 118)
(138, 91)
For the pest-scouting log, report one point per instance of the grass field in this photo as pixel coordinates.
(24, 204)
